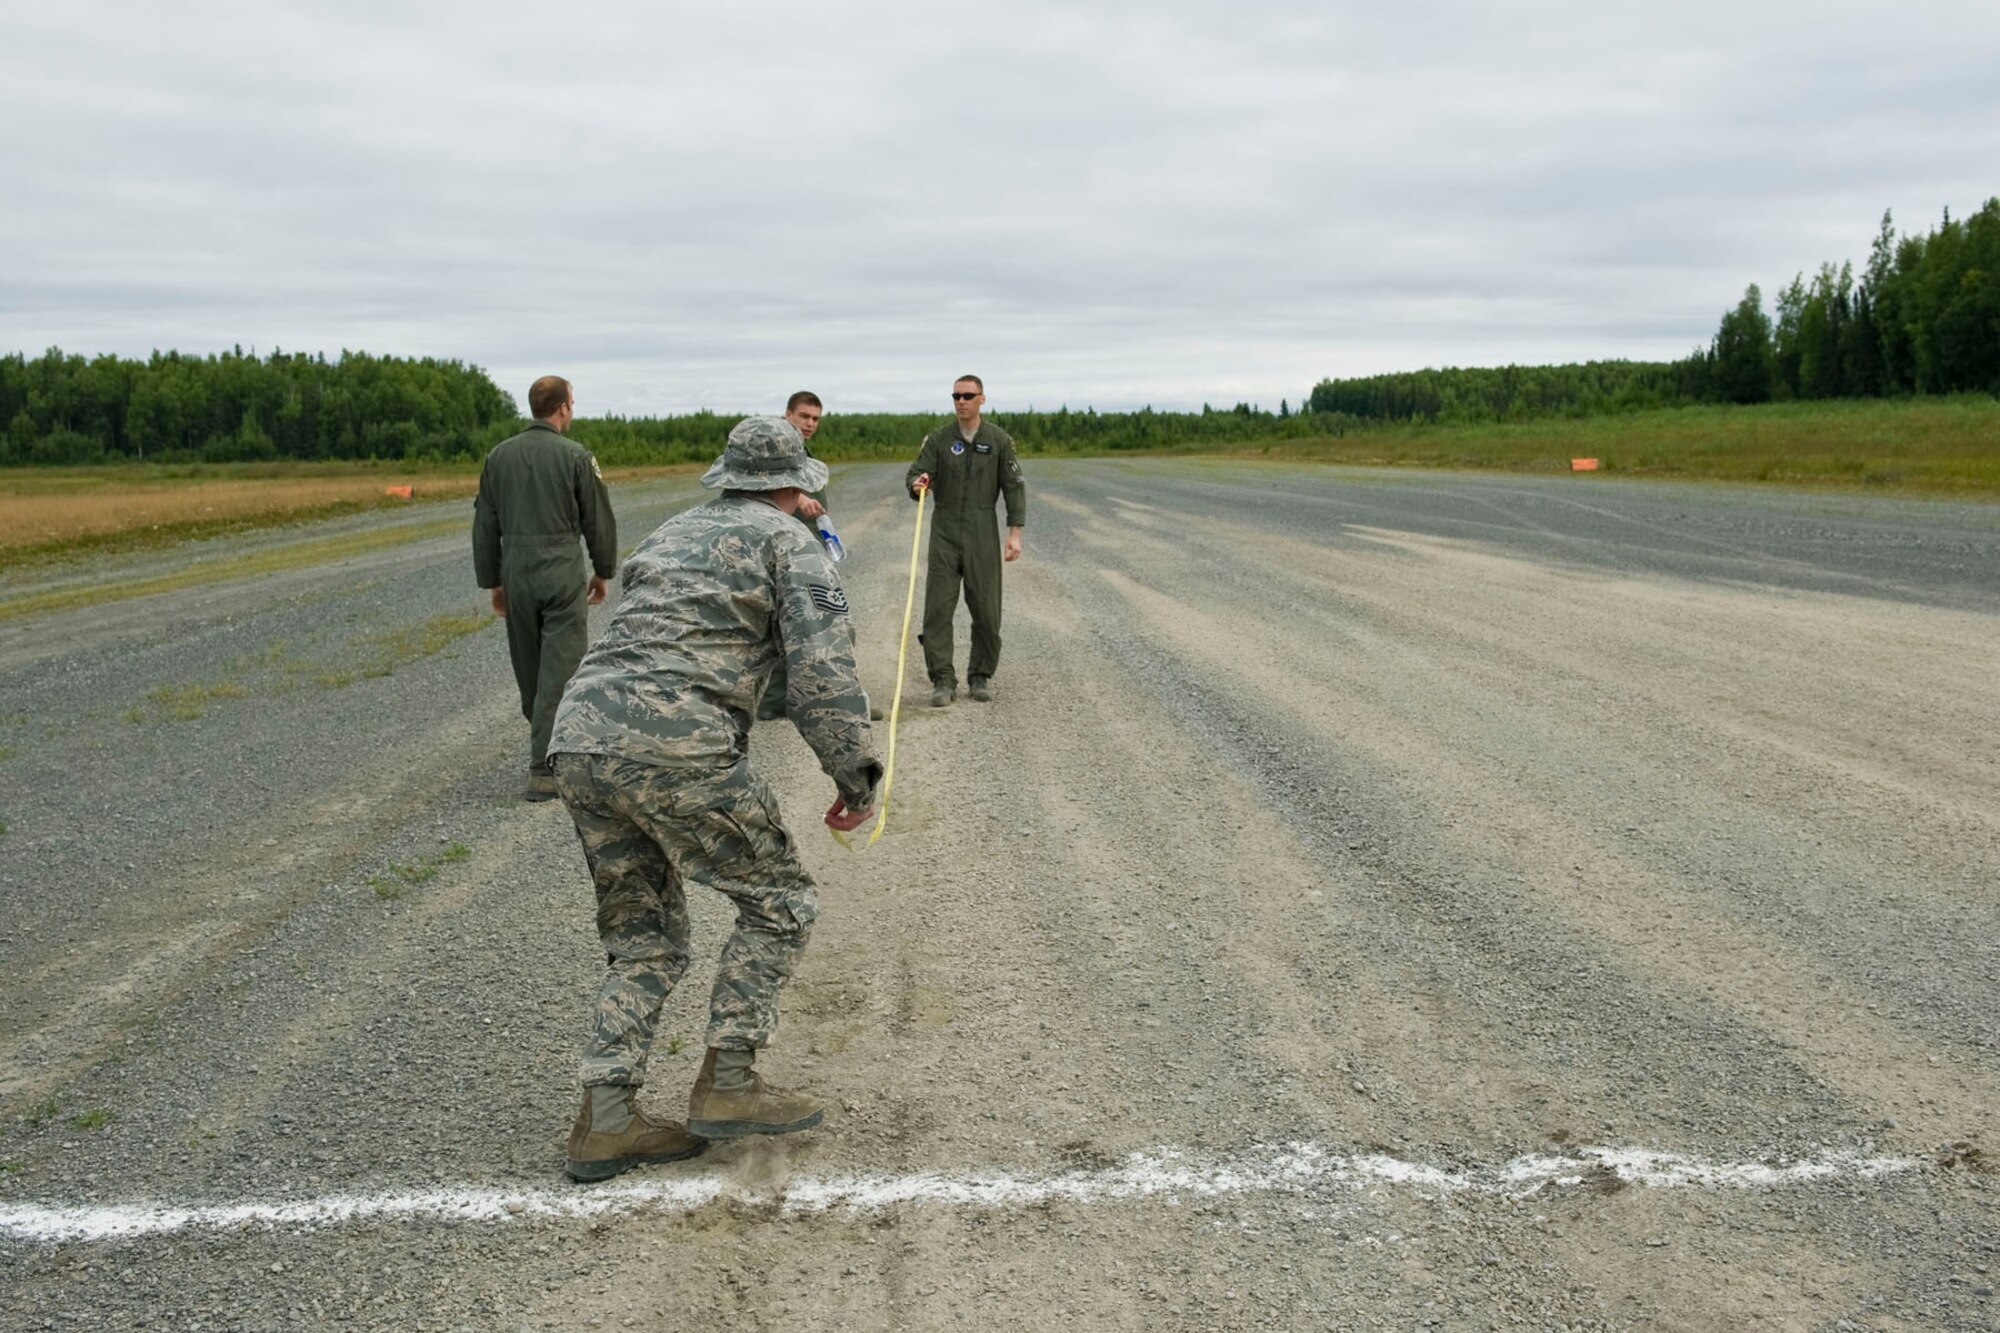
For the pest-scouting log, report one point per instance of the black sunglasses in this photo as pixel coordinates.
(964, 397)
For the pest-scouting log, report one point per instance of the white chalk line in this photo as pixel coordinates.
(1294, 1168)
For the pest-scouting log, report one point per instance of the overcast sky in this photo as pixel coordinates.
(1108, 204)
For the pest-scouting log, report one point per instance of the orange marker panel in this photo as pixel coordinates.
(1583, 465)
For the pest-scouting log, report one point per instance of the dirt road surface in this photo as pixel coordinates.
(1374, 901)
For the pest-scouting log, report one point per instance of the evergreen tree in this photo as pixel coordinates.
(1820, 319)
(1886, 296)
(1786, 352)
(1743, 351)
(1861, 349)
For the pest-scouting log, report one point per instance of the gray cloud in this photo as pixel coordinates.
(1113, 205)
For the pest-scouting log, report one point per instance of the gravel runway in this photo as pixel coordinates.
(1375, 900)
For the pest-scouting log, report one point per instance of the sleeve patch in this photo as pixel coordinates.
(830, 600)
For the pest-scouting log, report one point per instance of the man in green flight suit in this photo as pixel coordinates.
(538, 493)
(967, 465)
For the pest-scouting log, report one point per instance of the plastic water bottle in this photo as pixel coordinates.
(831, 538)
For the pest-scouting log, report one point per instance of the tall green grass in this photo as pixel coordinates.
(1926, 446)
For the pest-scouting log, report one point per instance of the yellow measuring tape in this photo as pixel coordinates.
(896, 695)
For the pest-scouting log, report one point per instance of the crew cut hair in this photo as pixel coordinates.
(547, 395)
(973, 379)
(804, 397)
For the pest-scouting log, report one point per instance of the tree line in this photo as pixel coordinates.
(65, 409)
(1922, 318)
(62, 408)
(698, 436)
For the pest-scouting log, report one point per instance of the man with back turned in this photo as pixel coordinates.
(538, 493)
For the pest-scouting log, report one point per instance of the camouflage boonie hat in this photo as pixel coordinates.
(765, 454)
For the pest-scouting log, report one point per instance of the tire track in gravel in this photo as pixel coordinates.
(1345, 833)
(462, 904)
(1298, 674)
(1842, 753)
(169, 943)
(1249, 647)
(1653, 926)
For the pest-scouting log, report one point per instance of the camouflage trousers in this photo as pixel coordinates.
(646, 830)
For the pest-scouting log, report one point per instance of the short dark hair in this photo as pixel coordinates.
(803, 397)
(972, 378)
(547, 396)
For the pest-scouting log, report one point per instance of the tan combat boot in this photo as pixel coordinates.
(730, 1101)
(612, 1134)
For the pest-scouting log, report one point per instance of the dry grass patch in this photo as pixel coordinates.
(48, 512)
(396, 881)
(186, 702)
(291, 556)
(407, 643)
(275, 671)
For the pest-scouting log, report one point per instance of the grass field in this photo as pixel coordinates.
(51, 512)
(1944, 447)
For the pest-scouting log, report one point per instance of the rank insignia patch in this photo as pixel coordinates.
(831, 600)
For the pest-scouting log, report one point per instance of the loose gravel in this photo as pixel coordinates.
(1427, 820)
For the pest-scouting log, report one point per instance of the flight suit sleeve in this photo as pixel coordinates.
(1012, 488)
(593, 510)
(823, 695)
(485, 534)
(926, 462)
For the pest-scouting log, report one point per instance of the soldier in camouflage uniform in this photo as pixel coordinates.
(650, 757)
(967, 465)
(537, 493)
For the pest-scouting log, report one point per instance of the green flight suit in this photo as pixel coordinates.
(967, 477)
(538, 493)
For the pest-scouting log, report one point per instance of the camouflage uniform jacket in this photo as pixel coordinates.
(713, 599)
